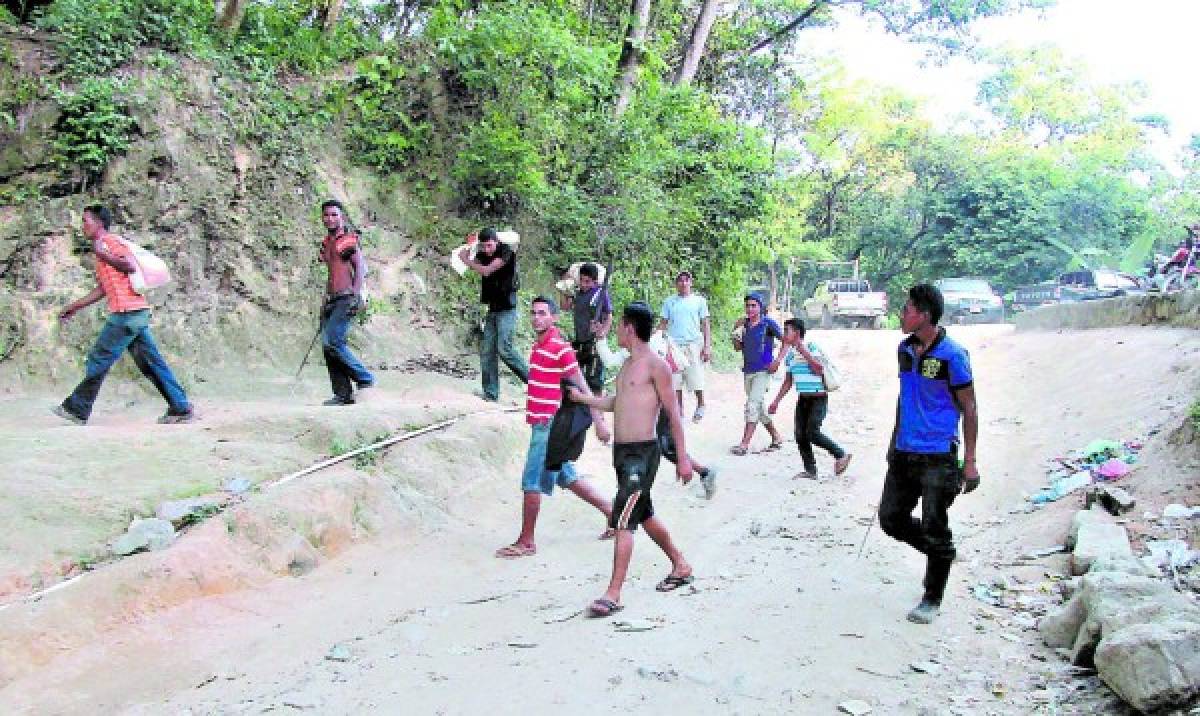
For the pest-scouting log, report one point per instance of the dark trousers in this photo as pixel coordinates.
(934, 480)
(342, 364)
(810, 413)
(126, 331)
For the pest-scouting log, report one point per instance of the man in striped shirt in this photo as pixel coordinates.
(550, 363)
(127, 328)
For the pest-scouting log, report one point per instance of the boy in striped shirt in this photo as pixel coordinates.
(551, 361)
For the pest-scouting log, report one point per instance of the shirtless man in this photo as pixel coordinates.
(643, 389)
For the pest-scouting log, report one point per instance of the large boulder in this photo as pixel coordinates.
(1141, 635)
(1153, 666)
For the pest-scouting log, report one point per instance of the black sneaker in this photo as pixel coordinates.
(177, 418)
(339, 400)
(67, 415)
(364, 386)
(925, 612)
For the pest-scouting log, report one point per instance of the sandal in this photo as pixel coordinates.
(773, 446)
(603, 608)
(671, 583)
(699, 414)
(516, 550)
(737, 450)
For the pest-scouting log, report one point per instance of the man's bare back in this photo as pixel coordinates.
(638, 400)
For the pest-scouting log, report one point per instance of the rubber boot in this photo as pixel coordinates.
(937, 573)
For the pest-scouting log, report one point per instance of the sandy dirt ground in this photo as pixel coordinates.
(783, 617)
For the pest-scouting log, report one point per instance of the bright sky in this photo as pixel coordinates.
(1152, 41)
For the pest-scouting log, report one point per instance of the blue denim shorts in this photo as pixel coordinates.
(535, 477)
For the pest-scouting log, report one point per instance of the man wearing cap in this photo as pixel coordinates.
(685, 319)
(551, 363)
(755, 337)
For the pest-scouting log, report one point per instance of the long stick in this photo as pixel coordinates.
(308, 352)
(874, 517)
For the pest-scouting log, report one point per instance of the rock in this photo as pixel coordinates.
(1152, 666)
(1081, 518)
(1113, 499)
(237, 485)
(338, 653)
(1098, 540)
(1108, 602)
(144, 534)
(925, 667)
(185, 512)
(855, 707)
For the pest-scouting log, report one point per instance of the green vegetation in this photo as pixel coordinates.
(94, 125)
(655, 146)
(1195, 415)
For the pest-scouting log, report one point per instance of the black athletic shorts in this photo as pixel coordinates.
(636, 464)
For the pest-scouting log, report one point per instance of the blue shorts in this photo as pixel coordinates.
(536, 478)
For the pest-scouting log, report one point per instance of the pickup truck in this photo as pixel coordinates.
(846, 301)
(970, 300)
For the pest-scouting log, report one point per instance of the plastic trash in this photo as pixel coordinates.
(1063, 486)
(1113, 468)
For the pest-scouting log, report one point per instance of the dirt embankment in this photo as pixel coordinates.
(784, 617)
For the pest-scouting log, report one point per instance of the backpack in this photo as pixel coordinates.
(152, 272)
(831, 375)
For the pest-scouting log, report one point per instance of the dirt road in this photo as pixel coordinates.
(782, 618)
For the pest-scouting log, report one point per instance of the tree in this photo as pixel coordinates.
(229, 15)
(631, 53)
(686, 71)
(329, 12)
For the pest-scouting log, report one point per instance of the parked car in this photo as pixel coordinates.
(1091, 284)
(846, 301)
(970, 300)
(1082, 285)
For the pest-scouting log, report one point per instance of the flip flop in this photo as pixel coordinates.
(773, 447)
(671, 583)
(603, 608)
(609, 533)
(513, 551)
(737, 450)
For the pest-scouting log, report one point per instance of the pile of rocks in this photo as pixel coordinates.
(1123, 618)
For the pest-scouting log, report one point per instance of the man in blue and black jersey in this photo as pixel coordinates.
(936, 391)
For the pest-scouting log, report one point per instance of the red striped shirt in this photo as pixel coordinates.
(118, 289)
(550, 361)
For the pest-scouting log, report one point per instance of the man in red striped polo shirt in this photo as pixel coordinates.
(127, 328)
(550, 363)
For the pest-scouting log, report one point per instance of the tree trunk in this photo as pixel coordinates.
(329, 16)
(631, 53)
(229, 16)
(694, 50)
(772, 284)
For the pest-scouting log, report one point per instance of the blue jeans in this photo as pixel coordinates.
(129, 330)
(341, 363)
(498, 328)
(535, 477)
